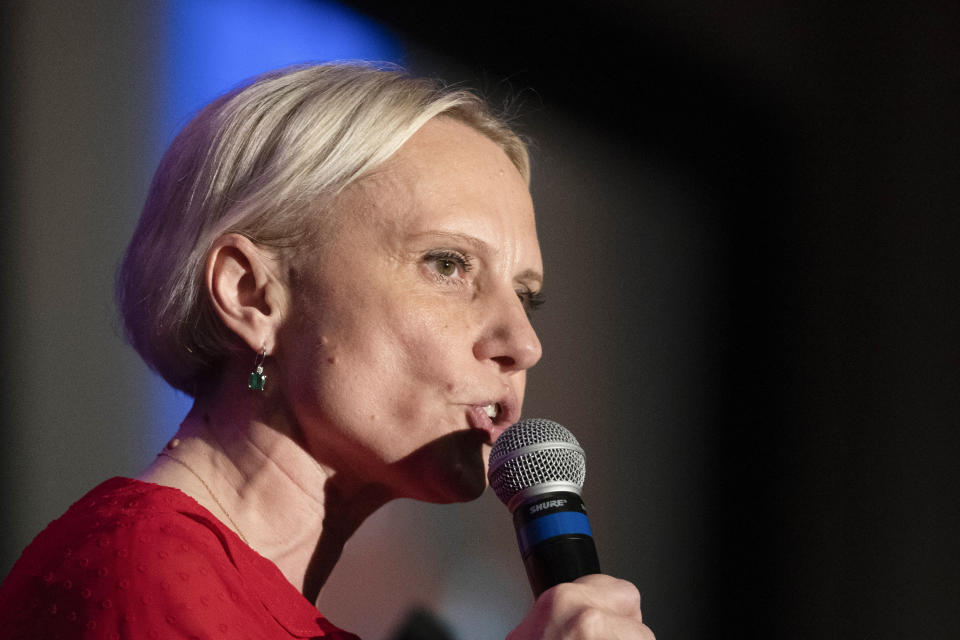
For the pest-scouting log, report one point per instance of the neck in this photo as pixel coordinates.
(246, 465)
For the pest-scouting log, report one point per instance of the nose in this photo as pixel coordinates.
(508, 337)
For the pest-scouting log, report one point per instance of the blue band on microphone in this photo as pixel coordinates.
(554, 524)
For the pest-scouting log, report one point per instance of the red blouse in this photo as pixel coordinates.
(136, 560)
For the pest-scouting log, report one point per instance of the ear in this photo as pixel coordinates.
(246, 290)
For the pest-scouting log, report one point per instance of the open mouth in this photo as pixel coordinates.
(494, 416)
(492, 419)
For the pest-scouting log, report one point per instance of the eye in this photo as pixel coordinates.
(530, 299)
(447, 265)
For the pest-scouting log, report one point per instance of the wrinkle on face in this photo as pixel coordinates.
(380, 357)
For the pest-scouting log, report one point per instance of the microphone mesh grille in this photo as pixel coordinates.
(546, 464)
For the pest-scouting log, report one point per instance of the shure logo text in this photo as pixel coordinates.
(549, 504)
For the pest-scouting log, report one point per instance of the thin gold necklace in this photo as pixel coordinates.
(210, 491)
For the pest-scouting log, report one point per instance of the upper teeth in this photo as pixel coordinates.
(492, 409)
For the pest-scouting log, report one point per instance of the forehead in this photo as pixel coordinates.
(447, 175)
(460, 145)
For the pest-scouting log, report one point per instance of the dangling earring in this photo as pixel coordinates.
(257, 377)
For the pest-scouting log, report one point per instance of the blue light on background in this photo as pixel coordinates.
(213, 45)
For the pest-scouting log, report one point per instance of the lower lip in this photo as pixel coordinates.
(479, 419)
(495, 432)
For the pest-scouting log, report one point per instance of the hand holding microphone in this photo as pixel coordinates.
(537, 469)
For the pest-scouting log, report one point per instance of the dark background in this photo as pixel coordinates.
(749, 221)
(823, 141)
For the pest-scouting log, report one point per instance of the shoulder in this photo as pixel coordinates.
(130, 560)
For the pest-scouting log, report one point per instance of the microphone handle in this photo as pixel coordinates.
(555, 539)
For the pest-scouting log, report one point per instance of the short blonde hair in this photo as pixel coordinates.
(265, 160)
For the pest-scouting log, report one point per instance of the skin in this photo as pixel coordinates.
(383, 346)
(415, 316)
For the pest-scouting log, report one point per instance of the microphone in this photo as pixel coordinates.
(537, 469)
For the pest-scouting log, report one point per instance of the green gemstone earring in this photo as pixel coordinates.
(257, 377)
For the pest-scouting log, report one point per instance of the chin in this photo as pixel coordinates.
(448, 469)
(463, 485)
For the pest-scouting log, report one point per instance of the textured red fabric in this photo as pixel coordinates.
(135, 560)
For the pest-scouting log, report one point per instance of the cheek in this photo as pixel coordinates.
(432, 340)
(378, 357)
(385, 363)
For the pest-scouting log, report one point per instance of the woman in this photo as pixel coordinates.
(337, 263)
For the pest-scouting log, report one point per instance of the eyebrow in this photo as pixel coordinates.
(527, 276)
(530, 276)
(477, 243)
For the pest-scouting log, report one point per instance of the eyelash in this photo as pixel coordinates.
(531, 300)
(462, 260)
